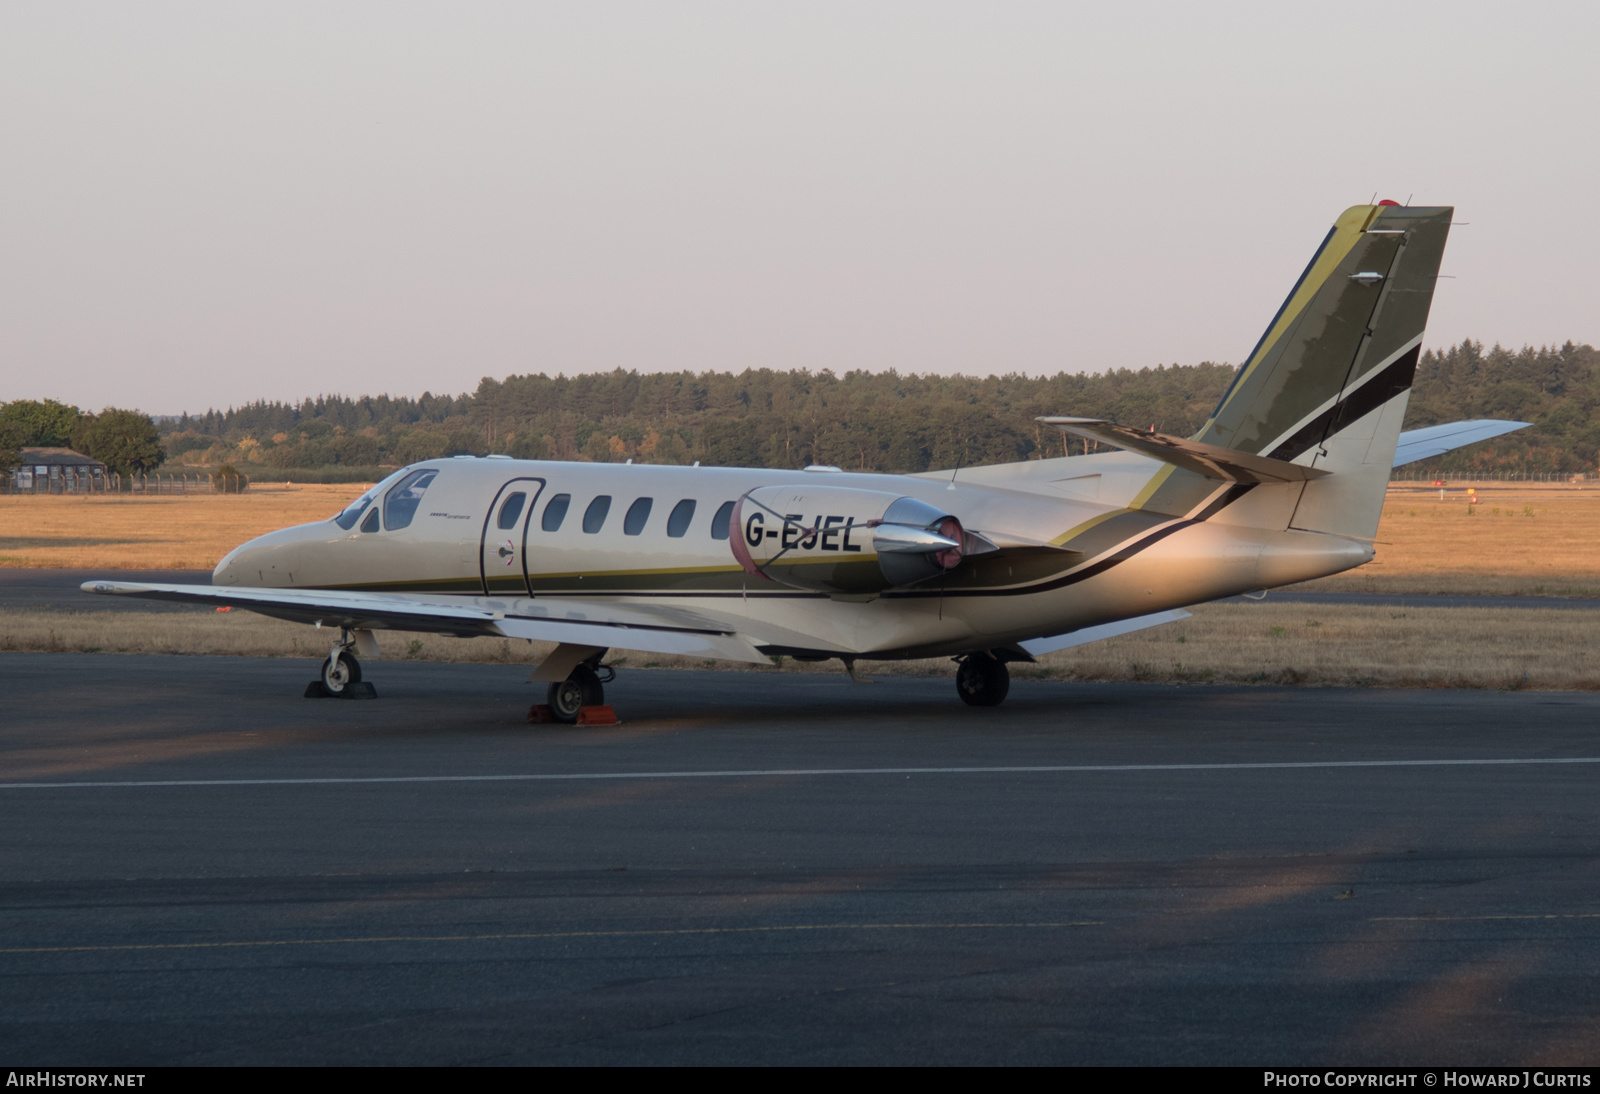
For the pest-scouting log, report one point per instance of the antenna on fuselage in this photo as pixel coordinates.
(957, 471)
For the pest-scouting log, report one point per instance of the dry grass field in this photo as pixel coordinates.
(1519, 539)
(157, 532)
(1529, 539)
(1270, 643)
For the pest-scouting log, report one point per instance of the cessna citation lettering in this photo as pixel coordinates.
(987, 565)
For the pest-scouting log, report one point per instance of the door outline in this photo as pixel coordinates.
(483, 540)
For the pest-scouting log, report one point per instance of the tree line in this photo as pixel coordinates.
(761, 417)
(885, 421)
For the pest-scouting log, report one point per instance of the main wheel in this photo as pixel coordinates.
(337, 675)
(982, 680)
(581, 688)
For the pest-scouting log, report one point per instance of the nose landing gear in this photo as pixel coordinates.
(339, 671)
(340, 676)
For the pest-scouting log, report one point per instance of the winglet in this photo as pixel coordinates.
(1212, 461)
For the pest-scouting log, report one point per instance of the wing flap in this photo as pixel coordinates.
(1084, 635)
(634, 633)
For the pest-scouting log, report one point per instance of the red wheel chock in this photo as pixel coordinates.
(540, 714)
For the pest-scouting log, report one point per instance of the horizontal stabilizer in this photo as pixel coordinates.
(1212, 461)
(1436, 440)
(1085, 635)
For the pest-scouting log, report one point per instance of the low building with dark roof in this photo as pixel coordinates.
(58, 471)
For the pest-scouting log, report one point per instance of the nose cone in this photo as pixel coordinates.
(227, 571)
(258, 561)
(237, 566)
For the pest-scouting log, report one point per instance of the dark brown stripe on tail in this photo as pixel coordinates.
(1394, 379)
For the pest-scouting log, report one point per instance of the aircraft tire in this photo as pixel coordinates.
(337, 678)
(581, 688)
(982, 681)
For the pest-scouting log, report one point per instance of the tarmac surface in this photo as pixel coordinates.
(202, 867)
(58, 590)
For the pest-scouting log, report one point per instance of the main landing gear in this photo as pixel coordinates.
(583, 687)
(982, 680)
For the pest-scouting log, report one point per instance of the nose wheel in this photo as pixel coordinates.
(338, 673)
(982, 680)
(583, 687)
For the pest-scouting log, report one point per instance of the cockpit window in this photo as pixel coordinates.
(371, 523)
(352, 512)
(400, 505)
(511, 510)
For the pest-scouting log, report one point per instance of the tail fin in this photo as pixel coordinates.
(1328, 383)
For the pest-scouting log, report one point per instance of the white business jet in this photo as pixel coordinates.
(1284, 483)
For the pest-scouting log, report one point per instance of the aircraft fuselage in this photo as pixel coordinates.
(512, 532)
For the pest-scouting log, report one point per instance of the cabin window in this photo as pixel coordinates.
(638, 513)
(719, 523)
(678, 520)
(555, 512)
(595, 515)
(511, 510)
(401, 503)
(371, 523)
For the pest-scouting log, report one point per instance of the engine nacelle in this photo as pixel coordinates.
(840, 540)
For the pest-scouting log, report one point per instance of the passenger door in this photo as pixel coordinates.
(502, 556)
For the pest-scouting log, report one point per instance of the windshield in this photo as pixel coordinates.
(352, 512)
(401, 503)
(347, 519)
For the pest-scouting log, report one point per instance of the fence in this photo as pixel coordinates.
(74, 483)
(57, 480)
(1491, 476)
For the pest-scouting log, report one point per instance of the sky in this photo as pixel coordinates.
(205, 204)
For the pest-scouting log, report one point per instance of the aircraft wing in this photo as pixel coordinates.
(649, 629)
(1436, 440)
(1084, 635)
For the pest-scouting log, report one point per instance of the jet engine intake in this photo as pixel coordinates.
(842, 540)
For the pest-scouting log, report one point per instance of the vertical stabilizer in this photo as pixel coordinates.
(1327, 383)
